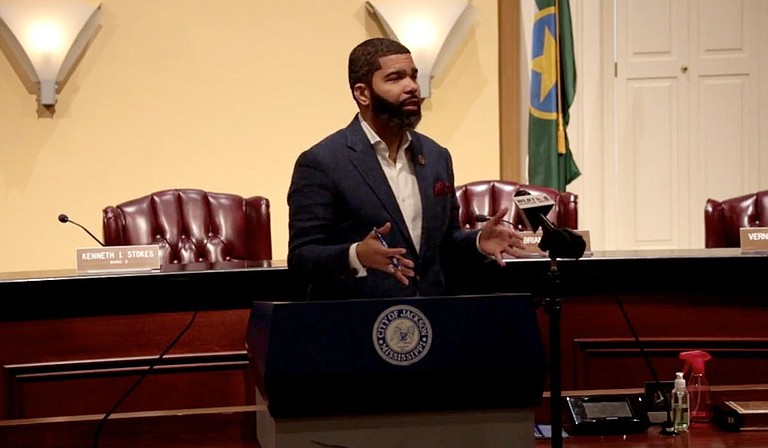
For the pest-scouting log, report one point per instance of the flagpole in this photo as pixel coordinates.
(560, 124)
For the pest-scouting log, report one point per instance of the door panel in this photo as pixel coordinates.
(687, 108)
(651, 119)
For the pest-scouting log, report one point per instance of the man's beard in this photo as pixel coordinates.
(395, 114)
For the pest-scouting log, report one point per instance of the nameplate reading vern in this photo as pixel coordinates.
(754, 239)
(118, 259)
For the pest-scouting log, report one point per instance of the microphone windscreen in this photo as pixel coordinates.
(534, 208)
(63, 218)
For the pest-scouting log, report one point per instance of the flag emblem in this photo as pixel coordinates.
(553, 87)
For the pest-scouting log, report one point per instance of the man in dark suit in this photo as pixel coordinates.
(372, 207)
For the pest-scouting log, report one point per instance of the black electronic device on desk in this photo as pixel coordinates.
(608, 414)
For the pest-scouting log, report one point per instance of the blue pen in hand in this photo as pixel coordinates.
(395, 263)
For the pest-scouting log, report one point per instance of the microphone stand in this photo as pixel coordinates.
(563, 243)
(566, 243)
(558, 243)
(566, 247)
(552, 306)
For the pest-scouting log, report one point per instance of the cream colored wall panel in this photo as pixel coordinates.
(724, 78)
(650, 162)
(652, 44)
(721, 42)
(663, 15)
(724, 147)
(651, 110)
(727, 18)
(724, 150)
(761, 115)
(588, 143)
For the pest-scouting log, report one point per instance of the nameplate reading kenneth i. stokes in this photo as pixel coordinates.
(754, 239)
(118, 259)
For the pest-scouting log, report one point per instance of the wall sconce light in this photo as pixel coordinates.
(47, 38)
(431, 29)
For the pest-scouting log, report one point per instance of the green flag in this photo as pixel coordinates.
(553, 86)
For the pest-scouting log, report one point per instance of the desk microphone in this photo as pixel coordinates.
(484, 218)
(65, 219)
(559, 242)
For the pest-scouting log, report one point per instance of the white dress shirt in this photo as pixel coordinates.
(402, 180)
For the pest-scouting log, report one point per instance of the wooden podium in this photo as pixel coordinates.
(455, 372)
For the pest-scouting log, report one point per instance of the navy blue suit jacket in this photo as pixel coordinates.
(339, 193)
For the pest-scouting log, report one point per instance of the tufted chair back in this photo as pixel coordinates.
(193, 226)
(488, 196)
(723, 219)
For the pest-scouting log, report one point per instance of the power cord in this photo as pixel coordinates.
(667, 427)
(103, 421)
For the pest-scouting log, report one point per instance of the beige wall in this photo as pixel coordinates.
(221, 96)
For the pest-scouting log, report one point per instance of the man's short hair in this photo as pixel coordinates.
(364, 59)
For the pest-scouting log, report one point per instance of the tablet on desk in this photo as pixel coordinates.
(608, 414)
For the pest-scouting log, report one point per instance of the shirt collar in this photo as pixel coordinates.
(376, 141)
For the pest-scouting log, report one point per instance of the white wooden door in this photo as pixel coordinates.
(687, 115)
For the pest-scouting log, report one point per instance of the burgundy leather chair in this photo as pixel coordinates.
(723, 219)
(192, 225)
(486, 197)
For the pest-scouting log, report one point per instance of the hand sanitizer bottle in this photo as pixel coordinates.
(680, 416)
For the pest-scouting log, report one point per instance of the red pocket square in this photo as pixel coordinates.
(443, 188)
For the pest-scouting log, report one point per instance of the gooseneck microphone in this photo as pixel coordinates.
(484, 218)
(65, 219)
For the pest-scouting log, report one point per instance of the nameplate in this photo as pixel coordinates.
(531, 241)
(118, 259)
(754, 239)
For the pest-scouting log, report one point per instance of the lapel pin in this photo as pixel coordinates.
(421, 159)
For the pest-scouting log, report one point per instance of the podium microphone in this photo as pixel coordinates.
(65, 219)
(558, 242)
